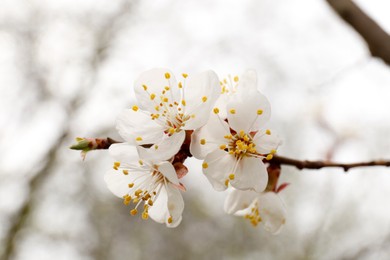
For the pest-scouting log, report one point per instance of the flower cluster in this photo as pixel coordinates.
(219, 122)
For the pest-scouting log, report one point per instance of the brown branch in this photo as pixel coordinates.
(281, 160)
(377, 39)
(305, 164)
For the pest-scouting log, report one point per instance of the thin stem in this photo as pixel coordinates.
(315, 165)
(300, 164)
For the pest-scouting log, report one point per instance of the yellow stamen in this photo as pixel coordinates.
(139, 138)
(125, 172)
(131, 185)
(165, 99)
(170, 220)
(205, 165)
(152, 96)
(185, 75)
(232, 176)
(133, 212)
(259, 112)
(268, 132)
(222, 146)
(183, 102)
(202, 141)
(236, 79)
(269, 157)
(135, 108)
(145, 215)
(167, 75)
(232, 111)
(216, 110)
(204, 99)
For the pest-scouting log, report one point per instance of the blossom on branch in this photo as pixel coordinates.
(166, 108)
(266, 208)
(153, 183)
(233, 149)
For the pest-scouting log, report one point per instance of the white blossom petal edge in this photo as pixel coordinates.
(167, 108)
(152, 183)
(266, 208)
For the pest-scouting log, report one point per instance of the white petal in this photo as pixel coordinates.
(251, 174)
(159, 211)
(175, 206)
(165, 149)
(202, 86)
(168, 204)
(272, 211)
(237, 200)
(213, 133)
(248, 80)
(133, 124)
(221, 104)
(117, 182)
(244, 108)
(265, 143)
(124, 152)
(219, 165)
(155, 81)
(167, 169)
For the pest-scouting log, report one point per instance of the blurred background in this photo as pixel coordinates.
(67, 69)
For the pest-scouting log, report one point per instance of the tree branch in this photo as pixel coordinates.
(377, 39)
(315, 165)
(276, 159)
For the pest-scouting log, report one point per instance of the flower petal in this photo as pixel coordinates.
(124, 152)
(212, 135)
(167, 169)
(265, 143)
(221, 104)
(272, 211)
(153, 82)
(237, 200)
(175, 206)
(200, 95)
(251, 174)
(217, 166)
(137, 127)
(165, 149)
(168, 204)
(118, 183)
(248, 110)
(159, 211)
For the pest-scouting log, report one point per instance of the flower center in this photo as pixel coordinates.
(254, 215)
(144, 188)
(241, 144)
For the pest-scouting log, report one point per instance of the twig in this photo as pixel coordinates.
(377, 39)
(305, 164)
(281, 160)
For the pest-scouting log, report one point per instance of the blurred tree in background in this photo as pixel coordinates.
(67, 69)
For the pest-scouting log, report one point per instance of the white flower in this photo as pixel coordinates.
(266, 208)
(153, 183)
(229, 87)
(233, 151)
(168, 108)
